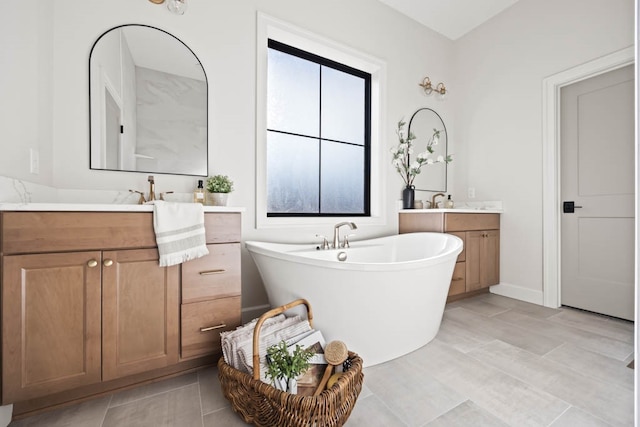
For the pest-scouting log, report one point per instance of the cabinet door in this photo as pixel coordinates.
(140, 313)
(50, 323)
(482, 259)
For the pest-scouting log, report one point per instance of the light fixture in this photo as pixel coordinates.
(175, 6)
(428, 88)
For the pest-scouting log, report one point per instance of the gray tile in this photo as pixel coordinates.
(85, 414)
(394, 381)
(512, 401)
(179, 407)
(211, 395)
(372, 412)
(482, 306)
(521, 306)
(574, 417)
(600, 398)
(598, 324)
(495, 327)
(151, 389)
(593, 365)
(553, 330)
(461, 337)
(467, 414)
(223, 418)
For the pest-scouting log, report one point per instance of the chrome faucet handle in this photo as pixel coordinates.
(166, 192)
(141, 199)
(325, 243)
(345, 241)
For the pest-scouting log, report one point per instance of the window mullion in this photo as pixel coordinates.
(320, 140)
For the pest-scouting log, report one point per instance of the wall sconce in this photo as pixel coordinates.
(428, 88)
(175, 6)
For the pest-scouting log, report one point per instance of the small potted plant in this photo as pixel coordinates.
(219, 186)
(284, 367)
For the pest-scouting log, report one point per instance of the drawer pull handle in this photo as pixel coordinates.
(210, 272)
(458, 278)
(92, 263)
(108, 262)
(212, 328)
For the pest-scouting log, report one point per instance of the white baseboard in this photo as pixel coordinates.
(518, 292)
(250, 313)
(5, 415)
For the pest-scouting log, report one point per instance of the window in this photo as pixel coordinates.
(318, 143)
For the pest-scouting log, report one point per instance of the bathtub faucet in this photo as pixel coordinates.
(336, 232)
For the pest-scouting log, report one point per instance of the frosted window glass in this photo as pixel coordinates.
(292, 174)
(342, 106)
(342, 179)
(292, 94)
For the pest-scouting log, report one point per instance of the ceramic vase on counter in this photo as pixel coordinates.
(218, 199)
(408, 197)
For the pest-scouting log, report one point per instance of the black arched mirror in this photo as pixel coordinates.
(148, 103)
(423, 123)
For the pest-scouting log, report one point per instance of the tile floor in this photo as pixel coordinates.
(495, 362)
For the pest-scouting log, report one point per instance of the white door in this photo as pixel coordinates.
(597, 155)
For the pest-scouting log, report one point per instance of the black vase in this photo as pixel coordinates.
(408, 196)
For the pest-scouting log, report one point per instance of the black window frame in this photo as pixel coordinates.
(322, 61)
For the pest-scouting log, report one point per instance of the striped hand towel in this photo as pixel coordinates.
(179, 229)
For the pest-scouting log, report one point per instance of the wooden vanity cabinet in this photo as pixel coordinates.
(87, 309)
(478, 266)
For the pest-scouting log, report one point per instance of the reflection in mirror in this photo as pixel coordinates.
(422, 125)
(148, 103)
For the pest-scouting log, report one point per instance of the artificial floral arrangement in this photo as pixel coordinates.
(403, 151)
(284, 366)
(219, 184)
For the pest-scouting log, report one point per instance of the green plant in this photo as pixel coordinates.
(219, 184)
(284, 365)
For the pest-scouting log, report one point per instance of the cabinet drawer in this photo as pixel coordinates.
(458, 283)
(222, 227)
(202, 323)
(470, 222)
(216, 275)
(37, 232)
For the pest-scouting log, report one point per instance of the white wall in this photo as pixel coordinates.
(223, 36)
(500, 68)
(26, 89)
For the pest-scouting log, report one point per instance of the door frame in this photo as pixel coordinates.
(551, 162)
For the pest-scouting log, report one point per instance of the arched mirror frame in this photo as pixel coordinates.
(95, 117)
(428, 172)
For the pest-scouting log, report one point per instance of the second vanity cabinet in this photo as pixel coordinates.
(478, 266)
(86, 307)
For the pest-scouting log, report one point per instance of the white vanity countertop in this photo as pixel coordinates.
(454, 210)
(95, 207)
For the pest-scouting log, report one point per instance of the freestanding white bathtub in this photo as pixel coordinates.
(385, 300)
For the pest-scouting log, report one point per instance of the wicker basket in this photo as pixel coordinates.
(263, 405)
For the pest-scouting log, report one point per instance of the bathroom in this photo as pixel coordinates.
(493, 111)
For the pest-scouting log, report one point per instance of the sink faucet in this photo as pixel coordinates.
(152, 193)
(336, 232)
(434, 204)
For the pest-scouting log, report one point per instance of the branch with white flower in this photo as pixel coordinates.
(402, 154)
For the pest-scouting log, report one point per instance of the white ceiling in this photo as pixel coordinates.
(451, 18)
